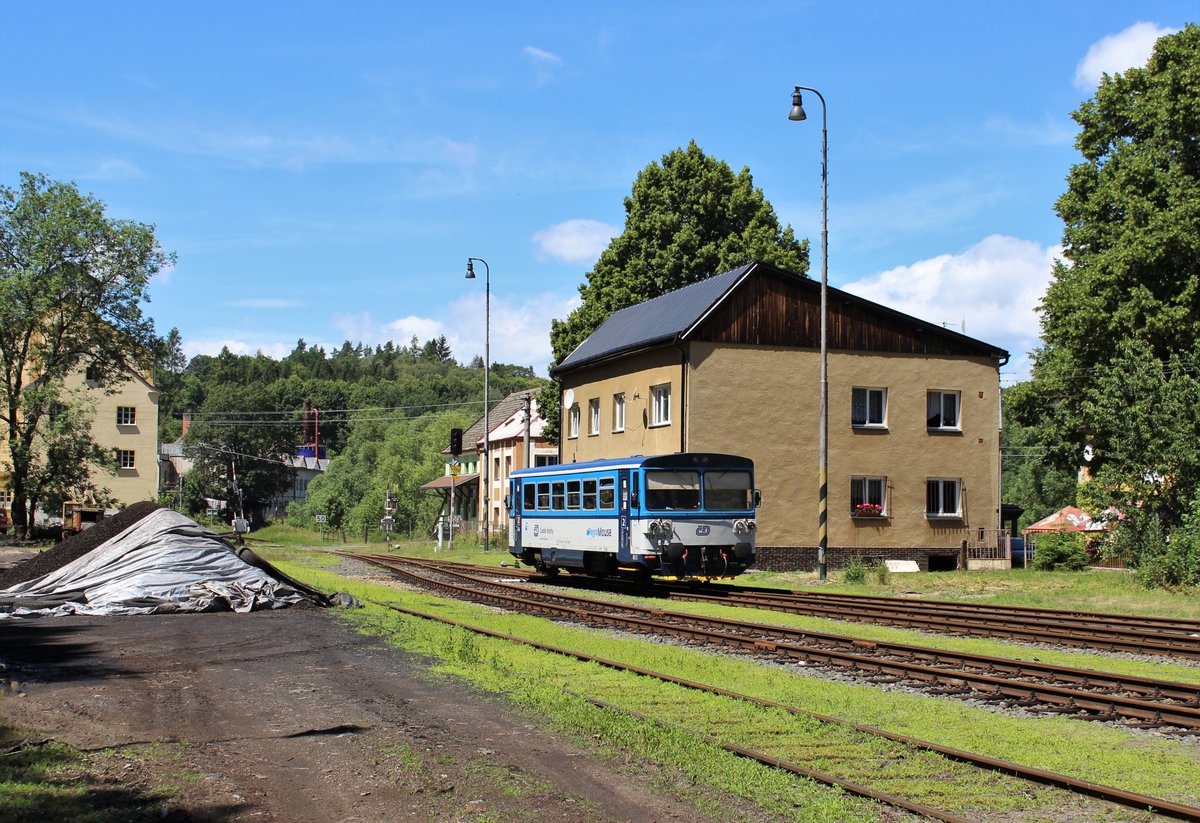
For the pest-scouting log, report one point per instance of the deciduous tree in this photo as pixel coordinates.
(1131, 245)
(72, 284)
(688, 217)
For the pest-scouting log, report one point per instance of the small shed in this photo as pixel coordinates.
(1071, 519)
(1067, 519)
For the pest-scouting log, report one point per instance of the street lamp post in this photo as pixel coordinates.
(797, 113)
(487, 361)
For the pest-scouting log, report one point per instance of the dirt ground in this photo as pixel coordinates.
(289, 715)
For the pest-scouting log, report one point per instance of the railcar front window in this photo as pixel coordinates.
(674, 491)
(728, 491)
(530, 492)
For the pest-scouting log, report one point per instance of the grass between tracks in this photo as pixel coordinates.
(538, 681)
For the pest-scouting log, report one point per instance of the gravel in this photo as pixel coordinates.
(75, 546)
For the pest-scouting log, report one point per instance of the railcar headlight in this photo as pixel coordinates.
(666, 526)
(654, 527)
(751, 525)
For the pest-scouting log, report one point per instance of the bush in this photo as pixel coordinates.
(856, 571)
(1060, 551)
(1163, 562)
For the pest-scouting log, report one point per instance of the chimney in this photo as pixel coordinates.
(187, 422)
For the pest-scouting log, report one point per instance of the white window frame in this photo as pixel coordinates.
(573, 421)
(594, 417)
(868, 489)
(866, 392)
(660, 405)
(941, 396)
(6, 498)
(941, 511)
(126, 459)
(126, 415)
(619, 412)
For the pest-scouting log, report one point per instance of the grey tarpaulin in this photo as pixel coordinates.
(164, 562)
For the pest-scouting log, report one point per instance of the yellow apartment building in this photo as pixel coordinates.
(731, 365)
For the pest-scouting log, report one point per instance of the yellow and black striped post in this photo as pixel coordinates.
(798, 113)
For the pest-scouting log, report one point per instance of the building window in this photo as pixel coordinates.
(545, 460)
(594, 416)
(619, 412)
(125, 458)
(868, 408)
(943, 498)
(126, 416)
(5, 498)
(660, 397)
(91, 373)
(868, 496)
(573, 421)
(942, 410)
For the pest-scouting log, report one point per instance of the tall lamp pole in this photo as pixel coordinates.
(487, 363)
(797, 113)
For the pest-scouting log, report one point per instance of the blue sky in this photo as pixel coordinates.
(323, 170)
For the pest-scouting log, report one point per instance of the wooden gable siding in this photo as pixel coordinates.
(770, 310)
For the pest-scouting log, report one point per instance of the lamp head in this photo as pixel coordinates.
(797, 112)
(470, 269)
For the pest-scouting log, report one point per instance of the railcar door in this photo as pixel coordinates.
(626, 507)
(514, 515)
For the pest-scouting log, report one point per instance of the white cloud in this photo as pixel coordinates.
(989, 292)
(212, 346)
(541, 55)
(575, 241)
(520, 333)
(1130, 48)
(276, 147)
(115, 169)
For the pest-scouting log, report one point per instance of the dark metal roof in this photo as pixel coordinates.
(658, 320)
(498, 414)
(672, 316)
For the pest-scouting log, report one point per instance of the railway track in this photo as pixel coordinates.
(1105, 632)
(1141, 802)
(1132, 634)
(1172, 707)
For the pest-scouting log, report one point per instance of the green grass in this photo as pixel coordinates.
(1131, 665)
(537, 681)
(1097, 590)
(42, 780)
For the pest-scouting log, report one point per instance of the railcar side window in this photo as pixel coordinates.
(608, 497)
(543, 497)
(573, 495)
(727, 490)
(530, 496)
(589, 495)
(672, 490)
(557, 495)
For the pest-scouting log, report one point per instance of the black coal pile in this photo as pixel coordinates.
(75, 546)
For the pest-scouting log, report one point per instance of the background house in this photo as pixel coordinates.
(515, 435)
(731, 364)
(125, 422)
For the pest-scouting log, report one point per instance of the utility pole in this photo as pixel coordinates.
(528, 423)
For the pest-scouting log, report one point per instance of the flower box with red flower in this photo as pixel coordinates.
(868, 510)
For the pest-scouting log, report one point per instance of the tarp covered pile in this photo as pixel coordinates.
(165, 562)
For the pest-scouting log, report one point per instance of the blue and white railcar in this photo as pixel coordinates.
(688, 515)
